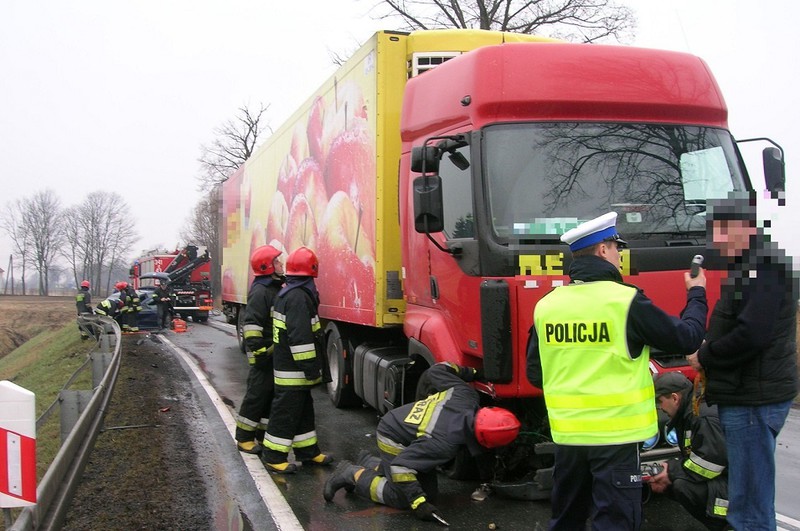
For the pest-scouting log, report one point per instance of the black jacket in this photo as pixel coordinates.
(428, 433)
(647, 323)
(257, 320)
(750, 353)
(704, 455)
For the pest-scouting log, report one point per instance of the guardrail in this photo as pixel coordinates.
(58, 485)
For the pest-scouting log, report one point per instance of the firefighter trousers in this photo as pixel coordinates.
(257, 402)
(374, 485)
(291, 426)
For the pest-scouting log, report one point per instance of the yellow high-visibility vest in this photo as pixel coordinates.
(595, 393)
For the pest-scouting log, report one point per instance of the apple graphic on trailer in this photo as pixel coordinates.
(309, 182)
(278, 218)
(350, 167)
(347, 260)
(301, 228)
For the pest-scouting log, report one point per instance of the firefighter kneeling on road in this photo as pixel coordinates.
(698, 479)
(416, 438)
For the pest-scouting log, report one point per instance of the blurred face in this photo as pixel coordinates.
(732, 237)
(669, 404)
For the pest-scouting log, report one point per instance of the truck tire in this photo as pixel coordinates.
(339, 356)
(239, 331)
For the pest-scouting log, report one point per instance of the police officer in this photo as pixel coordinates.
(163, 300)
(416, 438)
(298, 366)
(697, 479)
(83, 302)
(589, 352)
(257, 330)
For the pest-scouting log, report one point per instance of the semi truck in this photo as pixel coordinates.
(433, 175)
(187, 274)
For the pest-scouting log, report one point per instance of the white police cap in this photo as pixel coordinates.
(594, 231)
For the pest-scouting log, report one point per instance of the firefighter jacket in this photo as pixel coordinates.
(704, 455)
(297, 336)
(108, 307)
(428, 433)
(589, 351)
(749, 356)
(257, 320)
(83, 301)
(131, 300)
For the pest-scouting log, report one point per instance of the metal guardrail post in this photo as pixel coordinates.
(58, 485)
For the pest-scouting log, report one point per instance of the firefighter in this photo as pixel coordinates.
(416, 438)
(298, 366)
(83, 302)
(257, 330)
(130, 312)
(698, 479)
(589, 351)
(163, 303)
(110, 308)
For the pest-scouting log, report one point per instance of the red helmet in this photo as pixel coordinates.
(302, 262)
(495, 426)
(121, 285)
(85, 284)
(263, 258)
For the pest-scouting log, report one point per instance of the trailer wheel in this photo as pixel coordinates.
(239, 329)
(339, 354)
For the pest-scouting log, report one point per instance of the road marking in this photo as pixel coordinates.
(787, 523)
(273, 498)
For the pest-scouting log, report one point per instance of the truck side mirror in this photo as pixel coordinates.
(428, 204)
(774, 170)
(429, 155)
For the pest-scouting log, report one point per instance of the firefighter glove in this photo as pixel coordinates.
(425, 511)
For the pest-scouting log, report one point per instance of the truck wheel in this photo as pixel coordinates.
(239, 331)
(340, 390)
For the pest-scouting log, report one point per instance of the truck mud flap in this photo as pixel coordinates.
(496, 331)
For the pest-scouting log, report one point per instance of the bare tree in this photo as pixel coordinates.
(235, 141)
(203, 229)
(11, 222)
(41, 215)
(572, 20)
(98, 234)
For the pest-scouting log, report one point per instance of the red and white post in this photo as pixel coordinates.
(17, 446)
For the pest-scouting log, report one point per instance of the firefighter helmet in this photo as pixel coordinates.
(85, 284)
(121, 285)
(263, 260)
(495, 426)
(302, 262)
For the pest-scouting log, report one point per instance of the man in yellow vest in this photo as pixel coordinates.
(589, 352)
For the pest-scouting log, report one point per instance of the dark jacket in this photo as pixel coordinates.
(750, 353)
(428, 433)
(257, 320)
(647, 324)
(704, 456)
(83, 300)
(298, 336)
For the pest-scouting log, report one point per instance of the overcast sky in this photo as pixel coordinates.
(119, 96)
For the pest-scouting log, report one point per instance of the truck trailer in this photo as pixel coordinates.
(433, 175)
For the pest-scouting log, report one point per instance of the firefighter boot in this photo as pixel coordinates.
(343, 477)
(249, 447)
(368, 460)
(276, 462)
(319, 460)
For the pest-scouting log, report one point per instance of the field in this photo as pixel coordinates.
(22, 317)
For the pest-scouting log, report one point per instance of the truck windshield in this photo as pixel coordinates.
(543, 179)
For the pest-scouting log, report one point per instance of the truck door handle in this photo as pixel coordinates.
(434, 287)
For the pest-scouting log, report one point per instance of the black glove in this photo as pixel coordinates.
(478, 375)
(425, 511)
(312, 375)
